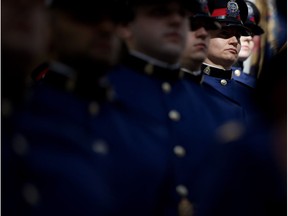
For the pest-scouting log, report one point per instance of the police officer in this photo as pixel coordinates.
(23, 44)
(247, 45)
(224, 47)
(217, 69)
(195, 53)
(74, 151)
(198, 38)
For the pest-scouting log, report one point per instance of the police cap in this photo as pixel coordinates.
(200, 16)
(253, 19)
(127, 6)
(230, 13)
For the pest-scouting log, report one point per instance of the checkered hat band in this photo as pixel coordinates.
(220, 12)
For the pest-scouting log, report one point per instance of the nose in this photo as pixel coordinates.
(234, 40)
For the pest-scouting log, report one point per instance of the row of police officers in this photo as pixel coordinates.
(113, 124)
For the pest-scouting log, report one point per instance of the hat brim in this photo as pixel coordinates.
(255, 29)
(244, 31)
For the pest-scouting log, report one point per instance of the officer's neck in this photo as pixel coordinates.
(154, 61)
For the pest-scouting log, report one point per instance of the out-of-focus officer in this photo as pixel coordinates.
(198, 38)
(74, 150)
(23, 43)
(247, 45)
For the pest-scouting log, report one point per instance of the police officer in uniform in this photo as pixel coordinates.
(74, 150)
(198, 38)
(261, 164)
(23, 44)
(223, 49)
(247, 45)
(195, 53)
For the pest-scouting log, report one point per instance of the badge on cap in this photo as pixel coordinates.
(204, 6)
(232, 9)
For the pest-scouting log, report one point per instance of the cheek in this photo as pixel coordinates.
(238, 47)
(215, 46)
(251, 45)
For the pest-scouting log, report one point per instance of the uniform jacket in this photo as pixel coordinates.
(238, 93)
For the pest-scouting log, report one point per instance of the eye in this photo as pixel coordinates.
(199, 23)
(225, 34)
(194, 25)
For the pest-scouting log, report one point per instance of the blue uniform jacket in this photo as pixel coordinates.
(155, 149)
(74, 155)
(242, 77)
(238, 93)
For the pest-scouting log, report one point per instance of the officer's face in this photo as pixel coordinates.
(224, 47)
(196, 48)
(75, 39)
(247, 45)
(159, 31)
(24, 28)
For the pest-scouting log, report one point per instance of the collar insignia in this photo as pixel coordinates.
(207, 70)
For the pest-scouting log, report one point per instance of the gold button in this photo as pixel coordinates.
(30, 194)
(166, 87)
(93, 108)
(174, 115)
(110, 95)
(182, 190)
(181, 74)
(20, 145)
(100, 147)
(185, 208)
(70, 85)
(223, 82)
(179, 151)
(229, 132)
(237, 72)
(149, 69)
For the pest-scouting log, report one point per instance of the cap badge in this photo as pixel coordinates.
(232, 9)
(149, 69)
(204, 6)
